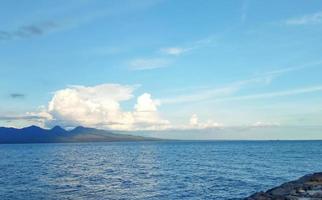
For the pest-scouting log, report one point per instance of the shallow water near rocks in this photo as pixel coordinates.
(153, 170)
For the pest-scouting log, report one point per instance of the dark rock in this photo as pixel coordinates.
(306, 187)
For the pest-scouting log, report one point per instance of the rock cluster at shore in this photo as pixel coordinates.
(305, 188)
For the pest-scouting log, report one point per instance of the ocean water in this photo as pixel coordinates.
(153, 170)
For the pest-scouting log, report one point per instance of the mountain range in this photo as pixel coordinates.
(35, 134)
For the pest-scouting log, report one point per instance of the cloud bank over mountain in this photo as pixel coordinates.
(100, 106)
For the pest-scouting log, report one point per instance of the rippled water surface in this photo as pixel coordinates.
(152, 170)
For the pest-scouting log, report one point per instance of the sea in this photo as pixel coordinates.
(168, 170)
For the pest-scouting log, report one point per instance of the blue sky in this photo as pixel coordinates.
(206, 67)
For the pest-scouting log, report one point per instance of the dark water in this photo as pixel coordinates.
(152, 170)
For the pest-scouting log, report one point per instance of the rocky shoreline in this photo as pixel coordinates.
(305, 188)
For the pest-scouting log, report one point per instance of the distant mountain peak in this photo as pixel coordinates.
(81, 128)
(58, 129)
(32, 127)
(35, 134)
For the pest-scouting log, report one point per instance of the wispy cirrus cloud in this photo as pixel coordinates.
(68, 20)
(315, 18)
(216, 92)
(174, 50)
(265, 124)
(164, 61)
(244, 10)
(200, 95)
(228, 91)
(17, 95)
(30, 30)
(274, 94)
(148, 63)
(21, 117)
(181, 49)
(292, 68)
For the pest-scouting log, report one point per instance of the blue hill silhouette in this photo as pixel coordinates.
(35, 134)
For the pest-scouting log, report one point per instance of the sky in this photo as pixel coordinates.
(234, 69)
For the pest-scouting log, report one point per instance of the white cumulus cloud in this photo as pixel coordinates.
(145, 112)
(196, 124)
(100, 106)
